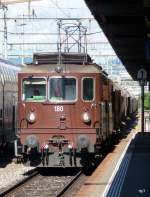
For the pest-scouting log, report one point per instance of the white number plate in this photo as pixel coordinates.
(58, 108)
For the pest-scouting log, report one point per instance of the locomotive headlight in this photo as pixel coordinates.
(86, 117)
(32, 141)
(31, 117)
(83, 141)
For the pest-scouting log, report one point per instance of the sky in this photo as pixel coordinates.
(27, 32)
(28, 23)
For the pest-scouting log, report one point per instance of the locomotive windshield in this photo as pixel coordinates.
(88, 89)
(62, 89)
(34, 89)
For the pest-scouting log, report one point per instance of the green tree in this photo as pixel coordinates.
(147, 101)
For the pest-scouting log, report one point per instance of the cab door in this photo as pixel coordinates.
(103, 121)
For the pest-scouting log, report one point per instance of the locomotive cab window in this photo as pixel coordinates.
(88, 89)
(62, 89)
(34, 89)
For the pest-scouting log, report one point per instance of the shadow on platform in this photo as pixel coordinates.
(133, 177)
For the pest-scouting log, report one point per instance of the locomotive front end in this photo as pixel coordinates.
(56, 118)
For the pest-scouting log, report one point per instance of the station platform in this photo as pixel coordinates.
(125, 172)
(133, 176)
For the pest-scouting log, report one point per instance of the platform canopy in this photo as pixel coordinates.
(127, 26)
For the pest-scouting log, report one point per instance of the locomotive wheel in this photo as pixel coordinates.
(17, 160)
(26, 160)
(47, 160)
(74, 157)
(85, 158)
(70, 157)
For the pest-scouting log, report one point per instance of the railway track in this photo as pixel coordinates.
(46, 184)
(71, 188)
(31, 174)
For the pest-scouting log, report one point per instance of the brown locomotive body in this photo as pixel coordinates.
(67, 112)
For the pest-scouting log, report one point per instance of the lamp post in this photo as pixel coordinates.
(142, 106)
(142, 77)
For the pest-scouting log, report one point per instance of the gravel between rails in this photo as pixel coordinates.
(47, 185)
(11, 173)
(73, 189)
(41, 186)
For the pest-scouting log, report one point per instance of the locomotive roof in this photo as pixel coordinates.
(65, 58)
(67, 68)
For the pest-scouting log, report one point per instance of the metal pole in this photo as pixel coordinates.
(142, 106)
(142, 77)
(59, 43)
(3, 103)
(85, 48)
(79, 43)
(23, 24)
(5, 32)
(3, 125)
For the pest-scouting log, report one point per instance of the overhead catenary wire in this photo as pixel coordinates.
(44, 33)
(49, 18)
(60, 9)
(36, 21)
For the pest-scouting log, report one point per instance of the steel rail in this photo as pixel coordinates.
(69, 184)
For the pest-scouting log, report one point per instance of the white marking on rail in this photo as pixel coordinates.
(106, 190)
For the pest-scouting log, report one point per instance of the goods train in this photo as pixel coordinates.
(8, 99)
(68, 112)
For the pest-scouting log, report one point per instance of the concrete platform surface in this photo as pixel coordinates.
(99, 183)
(137, 178)
(125, 172)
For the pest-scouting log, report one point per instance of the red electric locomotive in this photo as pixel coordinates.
(67, 112)
(68, 109)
